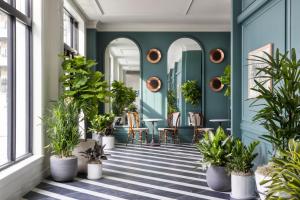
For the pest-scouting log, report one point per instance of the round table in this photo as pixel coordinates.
(153, 121)
(220, 121)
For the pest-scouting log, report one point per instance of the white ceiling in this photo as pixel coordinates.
(191, 15)
(126, 52)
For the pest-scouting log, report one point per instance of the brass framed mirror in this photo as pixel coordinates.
(215, 84)
(153, 84)
(216, 56)
(153, 56)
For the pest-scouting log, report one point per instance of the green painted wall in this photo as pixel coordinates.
(260, 23)
(154, 104)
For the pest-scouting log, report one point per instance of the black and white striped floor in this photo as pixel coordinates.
(141, 173)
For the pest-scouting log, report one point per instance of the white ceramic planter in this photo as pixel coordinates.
(108, 141)
(82, 147)
(242, 187)
(262, 189)
(94, 171)
(97, 137)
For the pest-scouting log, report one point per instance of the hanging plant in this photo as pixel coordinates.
(191, 92)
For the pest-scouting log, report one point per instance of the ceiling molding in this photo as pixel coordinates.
(189, 7)
(224, 27)
(78, 9)
(91, 24)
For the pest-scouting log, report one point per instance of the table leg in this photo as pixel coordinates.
(152, 140)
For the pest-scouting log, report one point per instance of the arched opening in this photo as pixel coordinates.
(122, 63)
(185, 60)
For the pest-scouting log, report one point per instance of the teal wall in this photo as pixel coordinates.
(261, 22)
(154, 104)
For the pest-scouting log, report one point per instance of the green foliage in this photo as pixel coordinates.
(132, 108)
(279, 113)
(286, 174)
(62, 128)
(191, 92)
(242, 157)
(226, 80)
(172, 106)
(84, 85)
(122, 97)
(95, 154)
(100, 123)
(215, 148)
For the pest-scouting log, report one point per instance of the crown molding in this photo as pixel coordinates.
(138, 27)
(91, 24)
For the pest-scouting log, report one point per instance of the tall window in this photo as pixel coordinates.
(15, 81)
(70, 33)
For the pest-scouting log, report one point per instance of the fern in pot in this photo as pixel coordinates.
(102, 131)
(216, 149)
(95, 156)
(240, 165)
(63, 133)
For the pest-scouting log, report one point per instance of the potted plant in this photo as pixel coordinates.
(226, 80)
(63, 134)
(122, 97)
(94, 165)
(216, 149)
(285, 175)
(101, 128)
(240, 165)
(191, 92)
(279, 110)
(172, 104)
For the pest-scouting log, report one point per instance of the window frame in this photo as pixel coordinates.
(14, 15)
(72, 49)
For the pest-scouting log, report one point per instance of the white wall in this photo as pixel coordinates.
(17, 180)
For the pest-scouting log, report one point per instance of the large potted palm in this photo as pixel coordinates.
(216, 150)
(240, 165)
(278, 111)
(62, 130)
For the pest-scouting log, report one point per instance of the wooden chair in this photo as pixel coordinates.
(134, 126)
(196, 120)
(173, 124)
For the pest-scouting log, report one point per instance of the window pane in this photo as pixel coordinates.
(3, 88)
(67, 29)
(21, 90)
(21, 5)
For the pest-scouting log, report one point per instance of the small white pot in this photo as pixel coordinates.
(94, 171)
(242, 187)
(262, 189)
(97, 137)
(108, 141)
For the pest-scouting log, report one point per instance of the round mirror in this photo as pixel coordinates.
(153, 56)
(153, 84)
(216, 56)
(215, 84)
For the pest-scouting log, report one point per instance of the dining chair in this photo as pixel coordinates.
(196, 120)
(134, 127)
(173, 124)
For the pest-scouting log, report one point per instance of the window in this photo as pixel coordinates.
(70, 33)
(15, 81)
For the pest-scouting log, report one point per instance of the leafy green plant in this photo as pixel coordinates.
(285, 175)
(132, 108)
(95, 154)
(122, 97)
(191, 92)
(226, 80)
(62, 128)
(279, 111)
(84, 85)
(101, 123)
(242, 157)
(172, 106)
(215, 148)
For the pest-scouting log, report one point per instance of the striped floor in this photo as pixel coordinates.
(138, 173)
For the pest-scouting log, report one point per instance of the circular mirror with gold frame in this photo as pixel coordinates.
(215, 84)
(216, 56)
(154, 56)
(153, 84)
